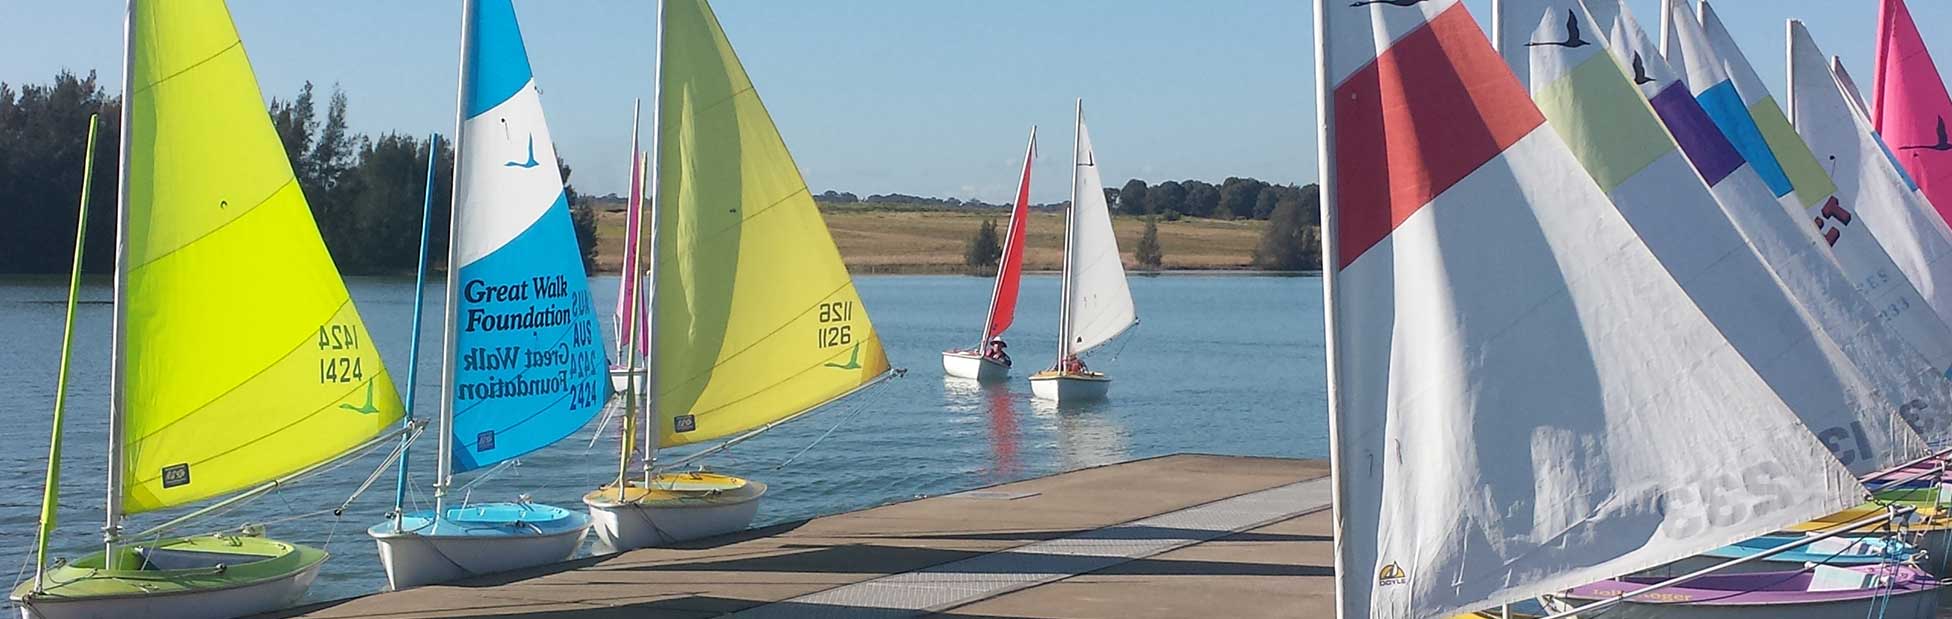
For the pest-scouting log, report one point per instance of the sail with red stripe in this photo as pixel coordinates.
(1522, 398)
(1009, 267)
(630, 324)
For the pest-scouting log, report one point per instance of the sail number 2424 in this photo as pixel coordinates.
(338, 361)
(832, 330)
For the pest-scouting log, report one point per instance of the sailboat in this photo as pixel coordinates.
(987, 361)
(743, 271)
(522, 360)
(1096, 303)
(1501, 342)
(632, 337)
(280, 382)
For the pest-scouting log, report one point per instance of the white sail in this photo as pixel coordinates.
(1097, 300)
(1522, 398)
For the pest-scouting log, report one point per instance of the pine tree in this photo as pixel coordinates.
(1147, 252)
(984, 250)
(1288, 243)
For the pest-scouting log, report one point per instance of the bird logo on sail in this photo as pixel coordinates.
(1943, 142)
(1572, 35)
(853, 360)
(1640, 71)
(366, 409)
(1388, 2)
(528, 164)
(1391, 574)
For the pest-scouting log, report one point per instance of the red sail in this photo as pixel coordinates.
(1009, 269)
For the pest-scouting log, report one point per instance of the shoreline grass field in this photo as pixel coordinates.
(881, 239)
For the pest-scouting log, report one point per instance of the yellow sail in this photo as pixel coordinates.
(243, 358)
(757, 320)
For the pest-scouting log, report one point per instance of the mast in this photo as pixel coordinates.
(50, 494)
(445, 466)
(632, 277)
(118, 331)
(996, 287)
(651, 178)
(1325, 159)
(1070, 230)
(413, 346)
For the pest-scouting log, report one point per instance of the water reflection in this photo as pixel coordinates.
(995, 403)
(1087, 434)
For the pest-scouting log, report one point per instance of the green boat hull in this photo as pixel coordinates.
(204, 576)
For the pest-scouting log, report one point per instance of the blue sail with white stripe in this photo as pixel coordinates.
(529, 365)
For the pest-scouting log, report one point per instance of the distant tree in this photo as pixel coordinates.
(43, 141)
(1237, 198)
(582, 217)
(384, 191)
(1147, 252)
(1111, 198)
(294, 121)
(1310, 196)
(1288, 243)
(1166, 196)
(984, 249)
(1202, 198)
(1131, 197)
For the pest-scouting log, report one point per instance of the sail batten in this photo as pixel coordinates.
(757, 318)
(244, 358)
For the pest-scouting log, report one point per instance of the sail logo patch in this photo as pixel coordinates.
(176, 475)
(1391, 574)
(484, 441)
(684, 423)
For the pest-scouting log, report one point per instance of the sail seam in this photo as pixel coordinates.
(247, 380)
(238, 44)
(783, 381)
(769, 334)
(226, 224)
(281, 430)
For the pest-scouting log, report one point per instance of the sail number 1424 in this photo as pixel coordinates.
(337, 362)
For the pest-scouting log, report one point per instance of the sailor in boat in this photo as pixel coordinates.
(993, 351)
(1072, 365)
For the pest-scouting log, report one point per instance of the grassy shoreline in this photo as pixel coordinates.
(881, 240)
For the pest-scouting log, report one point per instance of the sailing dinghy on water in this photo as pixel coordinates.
(523, 361)
(742, 274)
(1503, 344)
(1096, 301)
(988, 361)
(206, 404)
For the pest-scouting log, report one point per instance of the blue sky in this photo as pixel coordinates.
(873, 96)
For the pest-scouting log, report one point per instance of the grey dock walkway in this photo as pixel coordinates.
(1177, 536)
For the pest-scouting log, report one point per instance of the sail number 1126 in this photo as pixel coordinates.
(830, 332)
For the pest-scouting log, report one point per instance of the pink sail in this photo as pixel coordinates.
(630, 324)
(1910, 105)
(1009, 268)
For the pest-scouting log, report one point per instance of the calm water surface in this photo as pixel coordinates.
(1220, 364)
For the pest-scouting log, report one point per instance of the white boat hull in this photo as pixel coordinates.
(211, 604)
(622, 526)
(1901, 605)
(412, 559)
(1063, 388)
(621, 380)
(963, 364)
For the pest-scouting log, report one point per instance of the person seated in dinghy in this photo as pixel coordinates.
(993, 351)
(1071, 365)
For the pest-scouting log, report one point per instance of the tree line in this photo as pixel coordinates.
(365, 191)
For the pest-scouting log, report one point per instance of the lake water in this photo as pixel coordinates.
(1226, 364)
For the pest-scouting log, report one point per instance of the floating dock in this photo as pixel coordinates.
(1175, 536)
